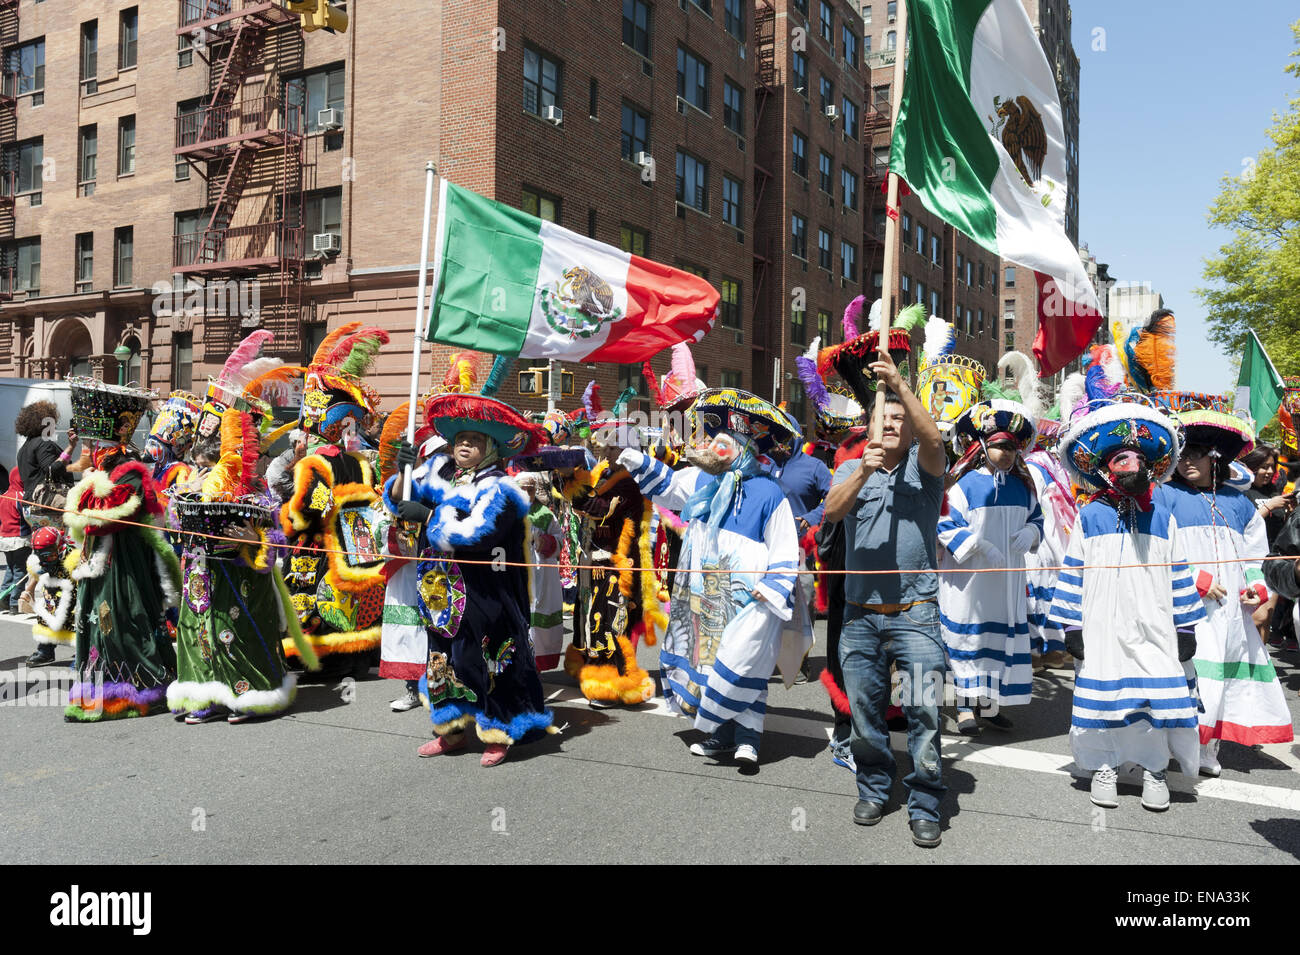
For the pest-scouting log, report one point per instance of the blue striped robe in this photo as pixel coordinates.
(1133, 702)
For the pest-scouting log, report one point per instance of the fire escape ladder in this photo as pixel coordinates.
(223, 208)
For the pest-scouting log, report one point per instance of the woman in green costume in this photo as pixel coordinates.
(235, 608)
(126, 574)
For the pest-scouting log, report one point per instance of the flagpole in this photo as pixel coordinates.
(891, 220)
(430, 173)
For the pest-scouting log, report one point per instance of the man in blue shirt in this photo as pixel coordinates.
(890, 501)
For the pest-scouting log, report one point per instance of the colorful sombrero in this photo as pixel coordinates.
(998, 416)
(1114, 425)
(175, 423)
(748, 416)
(679, 387)
(850, 360)
(1209, 420)
(100, 410)
(450, 414)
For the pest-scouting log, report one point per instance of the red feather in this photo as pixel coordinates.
(651, 382)
(331, 341)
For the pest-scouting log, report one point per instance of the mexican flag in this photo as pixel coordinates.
(979, 139)
(512, 284)
(1259, 386)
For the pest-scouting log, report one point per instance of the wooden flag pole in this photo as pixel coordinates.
(891, 217)
(430, 173)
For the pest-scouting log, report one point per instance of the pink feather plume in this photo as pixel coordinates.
(241, 356)
(852, 313)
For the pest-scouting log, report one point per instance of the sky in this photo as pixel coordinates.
(1173, 95)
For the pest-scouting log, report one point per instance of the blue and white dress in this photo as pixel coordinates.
(722, 645)
(1133, 702)
(983, 616)
(1052, 488)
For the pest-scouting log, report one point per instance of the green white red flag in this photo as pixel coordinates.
(979, 138)
(509, 283)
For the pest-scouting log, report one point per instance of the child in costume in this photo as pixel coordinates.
(170, 438)
(127, 575)
(334, 523)
(1129, 628)
(235, 609)
(481, 670)
(1225, 542)
(992, 521)
(54, 593)
(737, 613)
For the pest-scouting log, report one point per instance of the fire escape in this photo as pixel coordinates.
(876, 133)
(9, 89)
(765, 80)
(245, 130)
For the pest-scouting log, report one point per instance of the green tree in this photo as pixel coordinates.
(1256, 276)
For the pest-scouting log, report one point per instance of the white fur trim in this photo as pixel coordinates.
(94, 568)
(477, 499)
(214, 692)
(57, 619)
(101, 485)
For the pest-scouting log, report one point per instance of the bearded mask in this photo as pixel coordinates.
(716, 456)
(1128, 472)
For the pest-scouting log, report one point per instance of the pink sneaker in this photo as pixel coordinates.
(493, 753)
(442, 744)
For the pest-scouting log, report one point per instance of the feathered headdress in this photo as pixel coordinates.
(333, 391)
(227, 389)
(679, 388)
(591, 401)
(462, 374)
(236, 470)
(1024, 381)
(652, 383)
(850, 359)
(389, 439)
(501, 366)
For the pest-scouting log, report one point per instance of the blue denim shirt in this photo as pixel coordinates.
(893, 524)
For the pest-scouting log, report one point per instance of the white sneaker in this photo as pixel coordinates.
(1210, 765)
(408, 702)
(1105, 792)
(746, 754)
(1155, 792)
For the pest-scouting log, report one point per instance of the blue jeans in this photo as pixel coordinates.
(869, 643)
(732, 733)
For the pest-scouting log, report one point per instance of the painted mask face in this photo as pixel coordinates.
(716, 455)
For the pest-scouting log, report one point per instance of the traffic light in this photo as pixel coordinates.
(324, 16)
(302, 6)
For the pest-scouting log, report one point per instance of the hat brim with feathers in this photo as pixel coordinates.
(1091, 439)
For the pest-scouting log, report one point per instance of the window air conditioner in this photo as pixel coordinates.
(326, 242)
(553, 115)
(329, 118)
(644, 159)
(740, 338)
(832, 113)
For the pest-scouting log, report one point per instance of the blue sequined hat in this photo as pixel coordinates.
(998, 416)
(773, 432)
(1092, 438)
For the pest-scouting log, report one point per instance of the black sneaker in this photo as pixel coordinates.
(42, 656)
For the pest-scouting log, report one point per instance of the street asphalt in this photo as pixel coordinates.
(337, 780)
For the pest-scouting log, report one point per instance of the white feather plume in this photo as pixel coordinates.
(938, 336)
(1072, 395)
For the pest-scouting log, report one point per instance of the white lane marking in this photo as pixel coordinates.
(957, 750)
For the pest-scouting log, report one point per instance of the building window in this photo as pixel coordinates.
(824, 250)
(981, 275)
(699, 270)
(126, 146)
(183, 360)
(731, 207)
(123, 256)
(907, 227)
(1009, 309)
(128, 33)
(798, 333)
(824, 173)
(593, 98)
(798, 235)
(730, 379)
(310, 93)
(693, 80)
(25, 256)
(891, 10)
(866, 43)
(542, 82)
(26, 161)
(801, 6)
(733, 107)
(692, 181)
(634, 240)
(729, 307)
(934, 302)
(850, 118)
(961, 259)
(636, 132)
(1009, 280)
(905, 283)
(827, 90)
(880, 161)
(540, 204)
(322, 212)
(866, 14)
(920, 239)
(84, 251)
(735, 19)
(878, 220)
(849, 261)
(824, 326)
(191, 225)
(799, 70)
(28, 63)
(891, 40)
(87, 156)
(799, 147)
(89, 57)
(636, 26)
(184, 50)
(970, 272)
(849, 46)
(849, 188)
(796, 400)
(920, 292)
(826, 22)
(705, 5)
(980, 314)
(936, 249)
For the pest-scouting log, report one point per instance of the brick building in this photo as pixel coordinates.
(280, 173)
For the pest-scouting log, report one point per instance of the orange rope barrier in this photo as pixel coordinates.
(674, 570)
